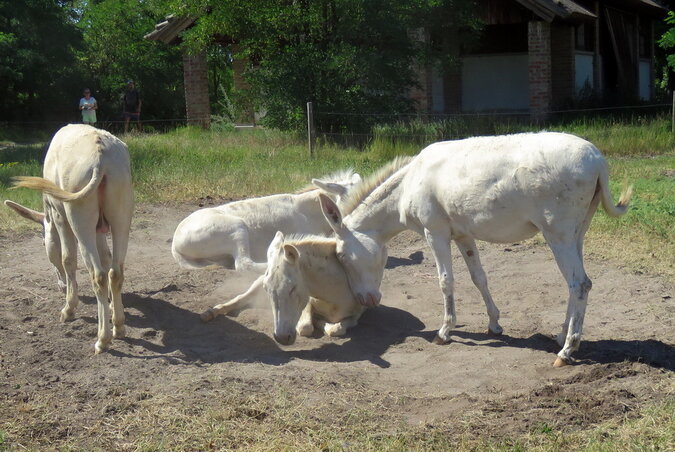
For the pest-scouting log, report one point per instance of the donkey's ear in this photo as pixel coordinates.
(331, 212)
(291, 253)
(25, 212)
(273, 248)
(330, 187)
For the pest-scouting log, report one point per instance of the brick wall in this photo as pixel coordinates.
(421, 95)
(196, 80)
(562, 64)
(539, 69)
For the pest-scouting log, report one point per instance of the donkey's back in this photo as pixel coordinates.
(504, 188)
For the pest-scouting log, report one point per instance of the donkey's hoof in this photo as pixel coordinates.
(207, 315)
(119, 332)
(496, 332)
(559, 362)
(100, 347)
(438, 340)
(67, 316)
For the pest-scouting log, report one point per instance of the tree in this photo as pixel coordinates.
(348, 56)
(38, 75)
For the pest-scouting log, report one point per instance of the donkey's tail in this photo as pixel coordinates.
(606, 196)
(50, 188)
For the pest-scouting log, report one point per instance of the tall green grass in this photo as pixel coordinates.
(189, 163)
(639, 136)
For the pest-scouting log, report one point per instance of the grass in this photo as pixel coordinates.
(643, 136)
(231, 415)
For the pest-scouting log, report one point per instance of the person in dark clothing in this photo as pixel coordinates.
(131, 105)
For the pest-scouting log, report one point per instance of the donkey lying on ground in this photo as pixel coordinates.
(498, 189)
(86, 193)
(308, 287)
(237, 234)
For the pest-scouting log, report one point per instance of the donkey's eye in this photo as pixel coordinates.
(292, 291)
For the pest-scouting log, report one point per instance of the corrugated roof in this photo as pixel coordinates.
(552, 9)
(168, 30)
(549, 10)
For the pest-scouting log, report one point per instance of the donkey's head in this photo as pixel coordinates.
(363, 256)
(286, 288)
(50, 236)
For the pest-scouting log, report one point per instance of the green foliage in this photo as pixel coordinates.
(115, 50)
(343, 55)
(37, 65)
(667, 41)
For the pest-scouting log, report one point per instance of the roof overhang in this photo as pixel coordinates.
(550, 10)
(571, 11)
(168, 31)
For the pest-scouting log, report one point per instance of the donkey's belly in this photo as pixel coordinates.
(494, 228)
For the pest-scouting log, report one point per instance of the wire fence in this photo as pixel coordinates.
(361, 130)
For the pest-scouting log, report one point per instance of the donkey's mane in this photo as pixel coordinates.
(337, 177)
(369, 184)
(309, 240)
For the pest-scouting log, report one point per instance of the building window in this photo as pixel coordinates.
(645, 36)
(584, 35)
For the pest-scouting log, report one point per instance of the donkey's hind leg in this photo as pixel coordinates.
(339, 328)
(570, 262)
(239, 302)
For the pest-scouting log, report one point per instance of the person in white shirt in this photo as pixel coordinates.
(88, 106)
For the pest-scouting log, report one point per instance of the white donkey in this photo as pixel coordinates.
(497, 189)
(87, 193)
(237, 234)
(308, 287)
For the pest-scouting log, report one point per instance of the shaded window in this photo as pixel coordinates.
(584, 34)
(645, 35)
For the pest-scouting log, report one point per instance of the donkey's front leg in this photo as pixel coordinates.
(467, 246)
(239, 302)
(305, 327)
(439, 241)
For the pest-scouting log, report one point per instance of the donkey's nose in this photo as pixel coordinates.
(284, 339)
(374, 299)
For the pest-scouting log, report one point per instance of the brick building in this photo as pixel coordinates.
(537, 56)
(533, 56)
(195, 70)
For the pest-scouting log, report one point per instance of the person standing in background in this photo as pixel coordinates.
(88, 107)
(131, 104)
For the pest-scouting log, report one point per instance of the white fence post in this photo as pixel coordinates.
(311, 133)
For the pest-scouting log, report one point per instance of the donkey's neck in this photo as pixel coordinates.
(379, 212)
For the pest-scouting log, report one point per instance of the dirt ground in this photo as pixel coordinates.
(626, 359)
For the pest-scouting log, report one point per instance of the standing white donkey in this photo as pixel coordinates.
(497, 189)
(87, 193)
(237, 234)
